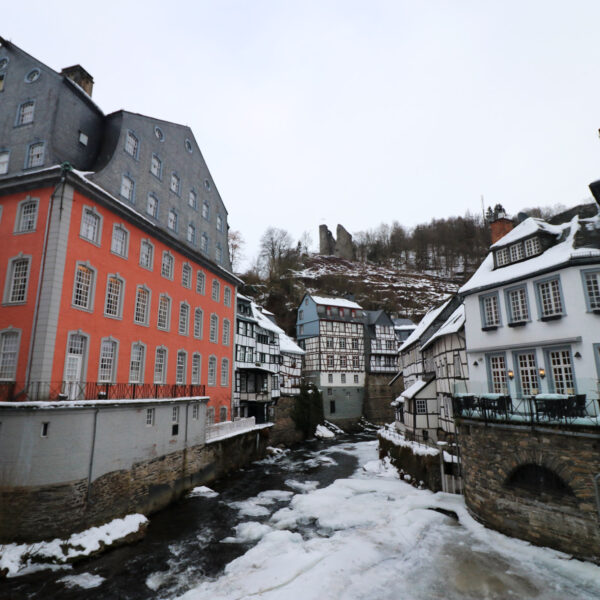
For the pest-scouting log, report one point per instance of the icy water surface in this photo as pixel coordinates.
(314, 524)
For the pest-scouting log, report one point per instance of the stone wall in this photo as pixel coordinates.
(284, 429)
(566, 522)
(422, 468)
(378, 396)
(35, 513)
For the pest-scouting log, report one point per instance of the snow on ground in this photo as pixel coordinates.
(372, 536)
(203, 490)
(84, 581)
(323, 433)
(19, 559)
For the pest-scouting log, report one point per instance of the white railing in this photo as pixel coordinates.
(228, 428)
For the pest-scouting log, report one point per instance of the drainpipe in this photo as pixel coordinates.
(64, 168)
(92, 454)
(597, 486)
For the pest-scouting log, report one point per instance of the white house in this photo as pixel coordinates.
(533, 314)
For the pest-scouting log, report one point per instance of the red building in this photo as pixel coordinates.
(117, 280)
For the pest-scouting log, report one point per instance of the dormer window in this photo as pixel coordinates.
(502, 257)
(516, 252)
(532, 247)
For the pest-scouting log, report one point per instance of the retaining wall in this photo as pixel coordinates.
(53, 486)
(569, 521)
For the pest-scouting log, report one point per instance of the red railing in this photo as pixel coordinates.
(44, 391)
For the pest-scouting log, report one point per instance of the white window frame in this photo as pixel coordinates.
(114, 345)
(132, 144)
(11, 272)
(119, 301)
(120, 229)
(141, 361)
(550, 296)
(226, 332)
(168, 260)
(164, 352)
(26, 221)
(35, 158)
(224, 372)
(9, 356)
(147, 244)
(163, 319)
(127, 189)
(175, 183)
(138, 289)
(156, 166)
(214, 329)
(200, 283)
(155, 202)
(181, 368)
(212, 371)
(84, 229)
(186, 275)
(4, 161)
(198, 322)
(196, 369)
(183, 327)
(216, 291)
(91, 291)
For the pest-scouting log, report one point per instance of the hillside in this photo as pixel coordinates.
(405, 292)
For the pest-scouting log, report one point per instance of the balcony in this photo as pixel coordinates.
(40, 391)
(557, 410)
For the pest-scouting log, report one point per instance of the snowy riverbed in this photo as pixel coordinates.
(374, 536)
(326, 520)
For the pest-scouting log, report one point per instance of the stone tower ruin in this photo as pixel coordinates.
(343, 247)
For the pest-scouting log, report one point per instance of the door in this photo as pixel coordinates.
(73, 380)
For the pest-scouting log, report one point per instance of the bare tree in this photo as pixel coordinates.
(275, 250)
(236, 245)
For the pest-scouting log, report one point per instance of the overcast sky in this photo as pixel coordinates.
(358, 113)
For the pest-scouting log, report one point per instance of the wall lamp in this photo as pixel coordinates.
(542, 373)
(511, 374)
(577, 355)
(475, 364)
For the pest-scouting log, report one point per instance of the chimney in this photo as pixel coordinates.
(500, 227)
(81, 77)
(595, 189)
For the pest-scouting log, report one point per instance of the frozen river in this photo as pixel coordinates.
(324, 521)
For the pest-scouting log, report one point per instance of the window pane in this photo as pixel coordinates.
(83, 286)
(9, 347)
(20, 275)
(28, 216)
(113, 296)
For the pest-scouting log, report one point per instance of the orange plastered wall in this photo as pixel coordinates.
(97, 326)
(21, 316)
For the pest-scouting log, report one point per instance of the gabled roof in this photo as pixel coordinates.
(452, 325)
(423, 325)
(578, 239)
(341, 302)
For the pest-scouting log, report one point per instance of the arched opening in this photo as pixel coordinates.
(538, 481)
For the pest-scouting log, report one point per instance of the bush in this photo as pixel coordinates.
(308, 409)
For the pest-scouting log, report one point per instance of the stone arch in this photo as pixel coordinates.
(538, 480)
(537, 456)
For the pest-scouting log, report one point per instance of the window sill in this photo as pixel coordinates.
(489, 328)
(551, 317)
(518, 324)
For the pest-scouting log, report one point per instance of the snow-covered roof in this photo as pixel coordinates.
(264, 321)
(287, 344)
(453, 324)
(414, 389)
(526, 228)
(244, 297)
(341, 302)
(560, 253)
(424, 323)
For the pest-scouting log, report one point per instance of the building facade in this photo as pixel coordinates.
(432, 358)
(116, 277)
(331, 332)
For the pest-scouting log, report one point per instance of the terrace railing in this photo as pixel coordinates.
(43, 391)
(542, 409)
